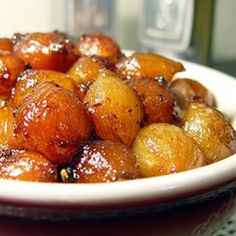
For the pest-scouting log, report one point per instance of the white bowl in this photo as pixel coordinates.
(191, 202)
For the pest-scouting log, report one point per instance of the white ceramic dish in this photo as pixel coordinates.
(142, 195)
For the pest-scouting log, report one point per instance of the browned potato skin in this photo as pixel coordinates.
(115, 109)
(30, 78)
(7, 122)
(97, 44)
(84, 72)
(10, 68)
(210, 129)
(158, 101)
(105, 161)
(27, 166)
(142, 65)
(185, 89)
(49, 51)
(163, 149)
(6, 44)
(53, 122)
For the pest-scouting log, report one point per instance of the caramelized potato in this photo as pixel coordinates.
(140, 65)
(6, 44)
(115, 109)
(49, 51)
(163, 149)
(10, 68)
(30, 78)
(27, 166)
(53, 122)
(157, 99)
(186, 89)
(105, 161)
(97, 44)
(84, 72)
(213, 133)
(7, 122)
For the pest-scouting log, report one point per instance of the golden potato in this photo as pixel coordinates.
(158, 101)
(150, 65)
(105, 161)
(163, 149)
(97, 44)
(7, 124)
(186, 89)
(84, 72)
(49, 51)
(53, 122)
(6, 44)
(10, 68)
(115, 109)
(213, 133)
(30, 78)
(27, 166)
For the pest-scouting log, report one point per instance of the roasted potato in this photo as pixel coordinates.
(30, 78)
(49, 51)
(163, 149)
(6, 44)
(186, 89)
(97, 44)
(27, 166)
(7, 124)
(210, 129)
(53, 122)
(115, 109)
(142, 65)
(10, 67)
(157, 99)
(105, 161)
(84, 72)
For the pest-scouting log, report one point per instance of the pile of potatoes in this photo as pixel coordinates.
(79, 110)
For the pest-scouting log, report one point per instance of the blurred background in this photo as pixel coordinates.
(202, 31)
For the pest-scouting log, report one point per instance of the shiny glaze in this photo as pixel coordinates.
(150, 65)
(115, 109)
(84, 72)
(186, 89)
(10, 68)
(213, 133)
(105, 161)
(30, 78)
(97, 44)
(27, 166)
(157, 99)
(51, 51)
(53, 122)
(163, 149)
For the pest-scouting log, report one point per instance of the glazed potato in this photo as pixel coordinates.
(7, 122)
(213, 133)
(163, 149)
(6, 44)
(115, 109)
(27, 166)
(186, 89)
(10, 68)
(105, 161)
(140, 65)
(52, 121)
(49, 51)
(97, 44)
(157, 99)
(30, 78)
(84, 72)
